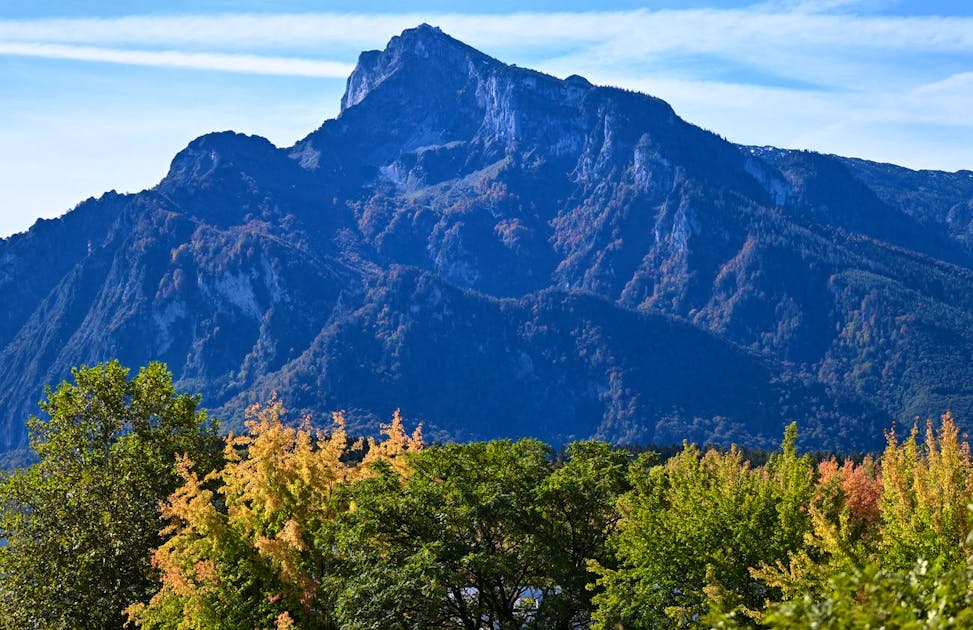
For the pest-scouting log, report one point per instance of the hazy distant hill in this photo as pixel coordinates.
(503, 253)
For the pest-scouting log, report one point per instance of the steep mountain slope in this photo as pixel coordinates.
(500, 252)
(942, 201)
(561, 365)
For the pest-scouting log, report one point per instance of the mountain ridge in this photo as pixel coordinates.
(551, 212)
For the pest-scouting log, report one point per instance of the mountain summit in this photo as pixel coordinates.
(424, 47)
(500, 252)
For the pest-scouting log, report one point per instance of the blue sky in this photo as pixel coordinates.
(100, 95)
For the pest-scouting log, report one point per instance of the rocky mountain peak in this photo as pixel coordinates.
(210, 151)
(424, 45)
(470, 235)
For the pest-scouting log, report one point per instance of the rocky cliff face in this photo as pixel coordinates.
(501, 252)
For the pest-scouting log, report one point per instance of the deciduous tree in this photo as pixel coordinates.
(253, 543)
(80, 523)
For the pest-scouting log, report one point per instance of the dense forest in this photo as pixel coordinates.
(139, 511)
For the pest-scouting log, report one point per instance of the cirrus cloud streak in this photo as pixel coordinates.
(249, 64)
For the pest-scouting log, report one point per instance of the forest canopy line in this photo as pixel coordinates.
(138, 512)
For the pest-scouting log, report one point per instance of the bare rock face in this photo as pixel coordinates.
(500, 253)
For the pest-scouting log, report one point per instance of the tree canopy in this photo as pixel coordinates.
(80, 524)
(137, 511)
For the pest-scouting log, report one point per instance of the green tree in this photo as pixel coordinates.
(480, 535)
(453, 543)
(690, 531)
(578, 516)
(80, 524)
(930, 596)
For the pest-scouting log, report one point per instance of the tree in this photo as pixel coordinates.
(253, 543)
(927, 489)
(577, 518)
(845, 521)
(81, 522)
(452, 544)
(889, 550)
(479, 535)
(690, 531)
(925, 595)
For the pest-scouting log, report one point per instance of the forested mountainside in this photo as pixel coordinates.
(503, 253)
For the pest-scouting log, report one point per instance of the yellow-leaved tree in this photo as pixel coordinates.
(891, 551)
(252, 544)
(928, 489)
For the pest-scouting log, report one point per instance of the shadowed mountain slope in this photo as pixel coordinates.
(501, 253)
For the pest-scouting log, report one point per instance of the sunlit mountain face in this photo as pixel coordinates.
(499, 252)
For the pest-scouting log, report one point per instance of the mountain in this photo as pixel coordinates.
(500, 252)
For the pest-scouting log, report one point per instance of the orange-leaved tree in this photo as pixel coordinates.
(252, 544)
(903, 560)
(844, 515)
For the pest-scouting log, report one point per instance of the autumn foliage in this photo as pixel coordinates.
(252, 543)
(292, 526)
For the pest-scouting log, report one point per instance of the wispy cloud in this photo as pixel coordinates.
(681, 29)
(251, 64)
(827, 75)
(813, 41)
